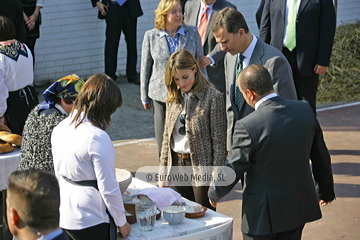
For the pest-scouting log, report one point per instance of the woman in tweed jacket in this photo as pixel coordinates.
(169, 35)
(195, 126)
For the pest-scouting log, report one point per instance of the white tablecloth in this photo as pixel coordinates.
(9, 162)
(211, 226)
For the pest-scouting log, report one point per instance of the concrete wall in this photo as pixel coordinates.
(72, 38)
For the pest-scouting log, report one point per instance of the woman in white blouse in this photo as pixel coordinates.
(83, 157)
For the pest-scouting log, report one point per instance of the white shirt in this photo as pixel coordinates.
(271, 95)
(40, 3)
(288, 2)
(180, 143)
(14, 75)
(248, 54)
(51, 235)
(86, 153)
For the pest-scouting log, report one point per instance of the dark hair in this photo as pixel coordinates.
(229, 19)
(256, 78)
(7, 29)
(35, 196)
(98, 98)
(179, 60)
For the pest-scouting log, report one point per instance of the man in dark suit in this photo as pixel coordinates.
(214, 57)
(13, 10)
(272, 146)
(120, 15)
(231, 31)
(304, 31)
(33, 201)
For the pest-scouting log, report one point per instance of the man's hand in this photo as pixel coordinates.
(320, 69)
(204, 62)
(102, 8)
(147, 106)
(124, 230)
(323, 203)
(213, 203)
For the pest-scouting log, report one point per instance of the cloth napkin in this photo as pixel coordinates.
(161, 196)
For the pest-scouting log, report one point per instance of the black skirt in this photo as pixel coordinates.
(19, 105)
(29, 8)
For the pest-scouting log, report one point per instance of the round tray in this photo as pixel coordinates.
(197, 214)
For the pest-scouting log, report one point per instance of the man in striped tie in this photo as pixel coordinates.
(231, 31)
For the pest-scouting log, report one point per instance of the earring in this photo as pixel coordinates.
(64, 105)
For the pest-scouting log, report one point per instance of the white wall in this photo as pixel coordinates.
(72, 38)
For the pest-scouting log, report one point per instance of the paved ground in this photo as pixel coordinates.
(132, 133)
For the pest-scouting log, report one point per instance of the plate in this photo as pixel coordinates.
(197, 214)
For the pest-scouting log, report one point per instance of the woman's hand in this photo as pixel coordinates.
(102, 8)
(147, 106)
(30, 23)
(163, 184)
(124, 230)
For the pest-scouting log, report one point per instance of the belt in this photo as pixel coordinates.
(183, 155)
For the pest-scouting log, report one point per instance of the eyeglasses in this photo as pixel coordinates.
(182, 121)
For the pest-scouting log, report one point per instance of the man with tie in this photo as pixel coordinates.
(231, 31)
(201, 13)
(120, 15)
(304, 31)
(273, 146)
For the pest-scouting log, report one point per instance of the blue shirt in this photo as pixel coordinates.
(173, 43)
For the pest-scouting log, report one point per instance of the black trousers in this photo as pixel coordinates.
(97, 232)
(192, 193)
(119, 20)
(294, 234)
(19, 105)
(159, 122)
(306, 87)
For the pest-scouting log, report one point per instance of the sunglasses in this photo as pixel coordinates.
(182, 121)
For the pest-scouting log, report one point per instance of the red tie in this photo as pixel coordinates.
(203, 24)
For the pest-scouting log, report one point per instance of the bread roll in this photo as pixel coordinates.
(6, 147)
(11, 138)
(3, 127)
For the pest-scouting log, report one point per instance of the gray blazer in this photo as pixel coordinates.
(154, 56)
(272, 146)
(216, 72)
(275, 62)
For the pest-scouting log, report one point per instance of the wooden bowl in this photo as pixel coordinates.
(197, 214)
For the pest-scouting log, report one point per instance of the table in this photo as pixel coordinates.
(9, 162)
(212, 225)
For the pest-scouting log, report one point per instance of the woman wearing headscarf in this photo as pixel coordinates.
(18, 95)
(58, 101)
(169, 35)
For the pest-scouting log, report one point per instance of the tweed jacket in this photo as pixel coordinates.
(35, 151)
(205, 128)
(154, 56)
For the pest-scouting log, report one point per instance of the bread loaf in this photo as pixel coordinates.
(11, 138)
(5, 147)
(3, 127)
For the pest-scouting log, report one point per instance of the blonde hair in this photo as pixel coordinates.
(164, 7)
(180, 60)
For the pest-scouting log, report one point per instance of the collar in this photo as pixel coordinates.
(180, 31)
(186, 95)
(271, 95)
(51, 235)
(202, 6)
(249, 51)
(58, 107)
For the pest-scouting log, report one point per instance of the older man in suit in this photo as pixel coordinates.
(33, 201)
(231, 31)
(214, 57)
(304, 31)
(272, 146)
(120, 16)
